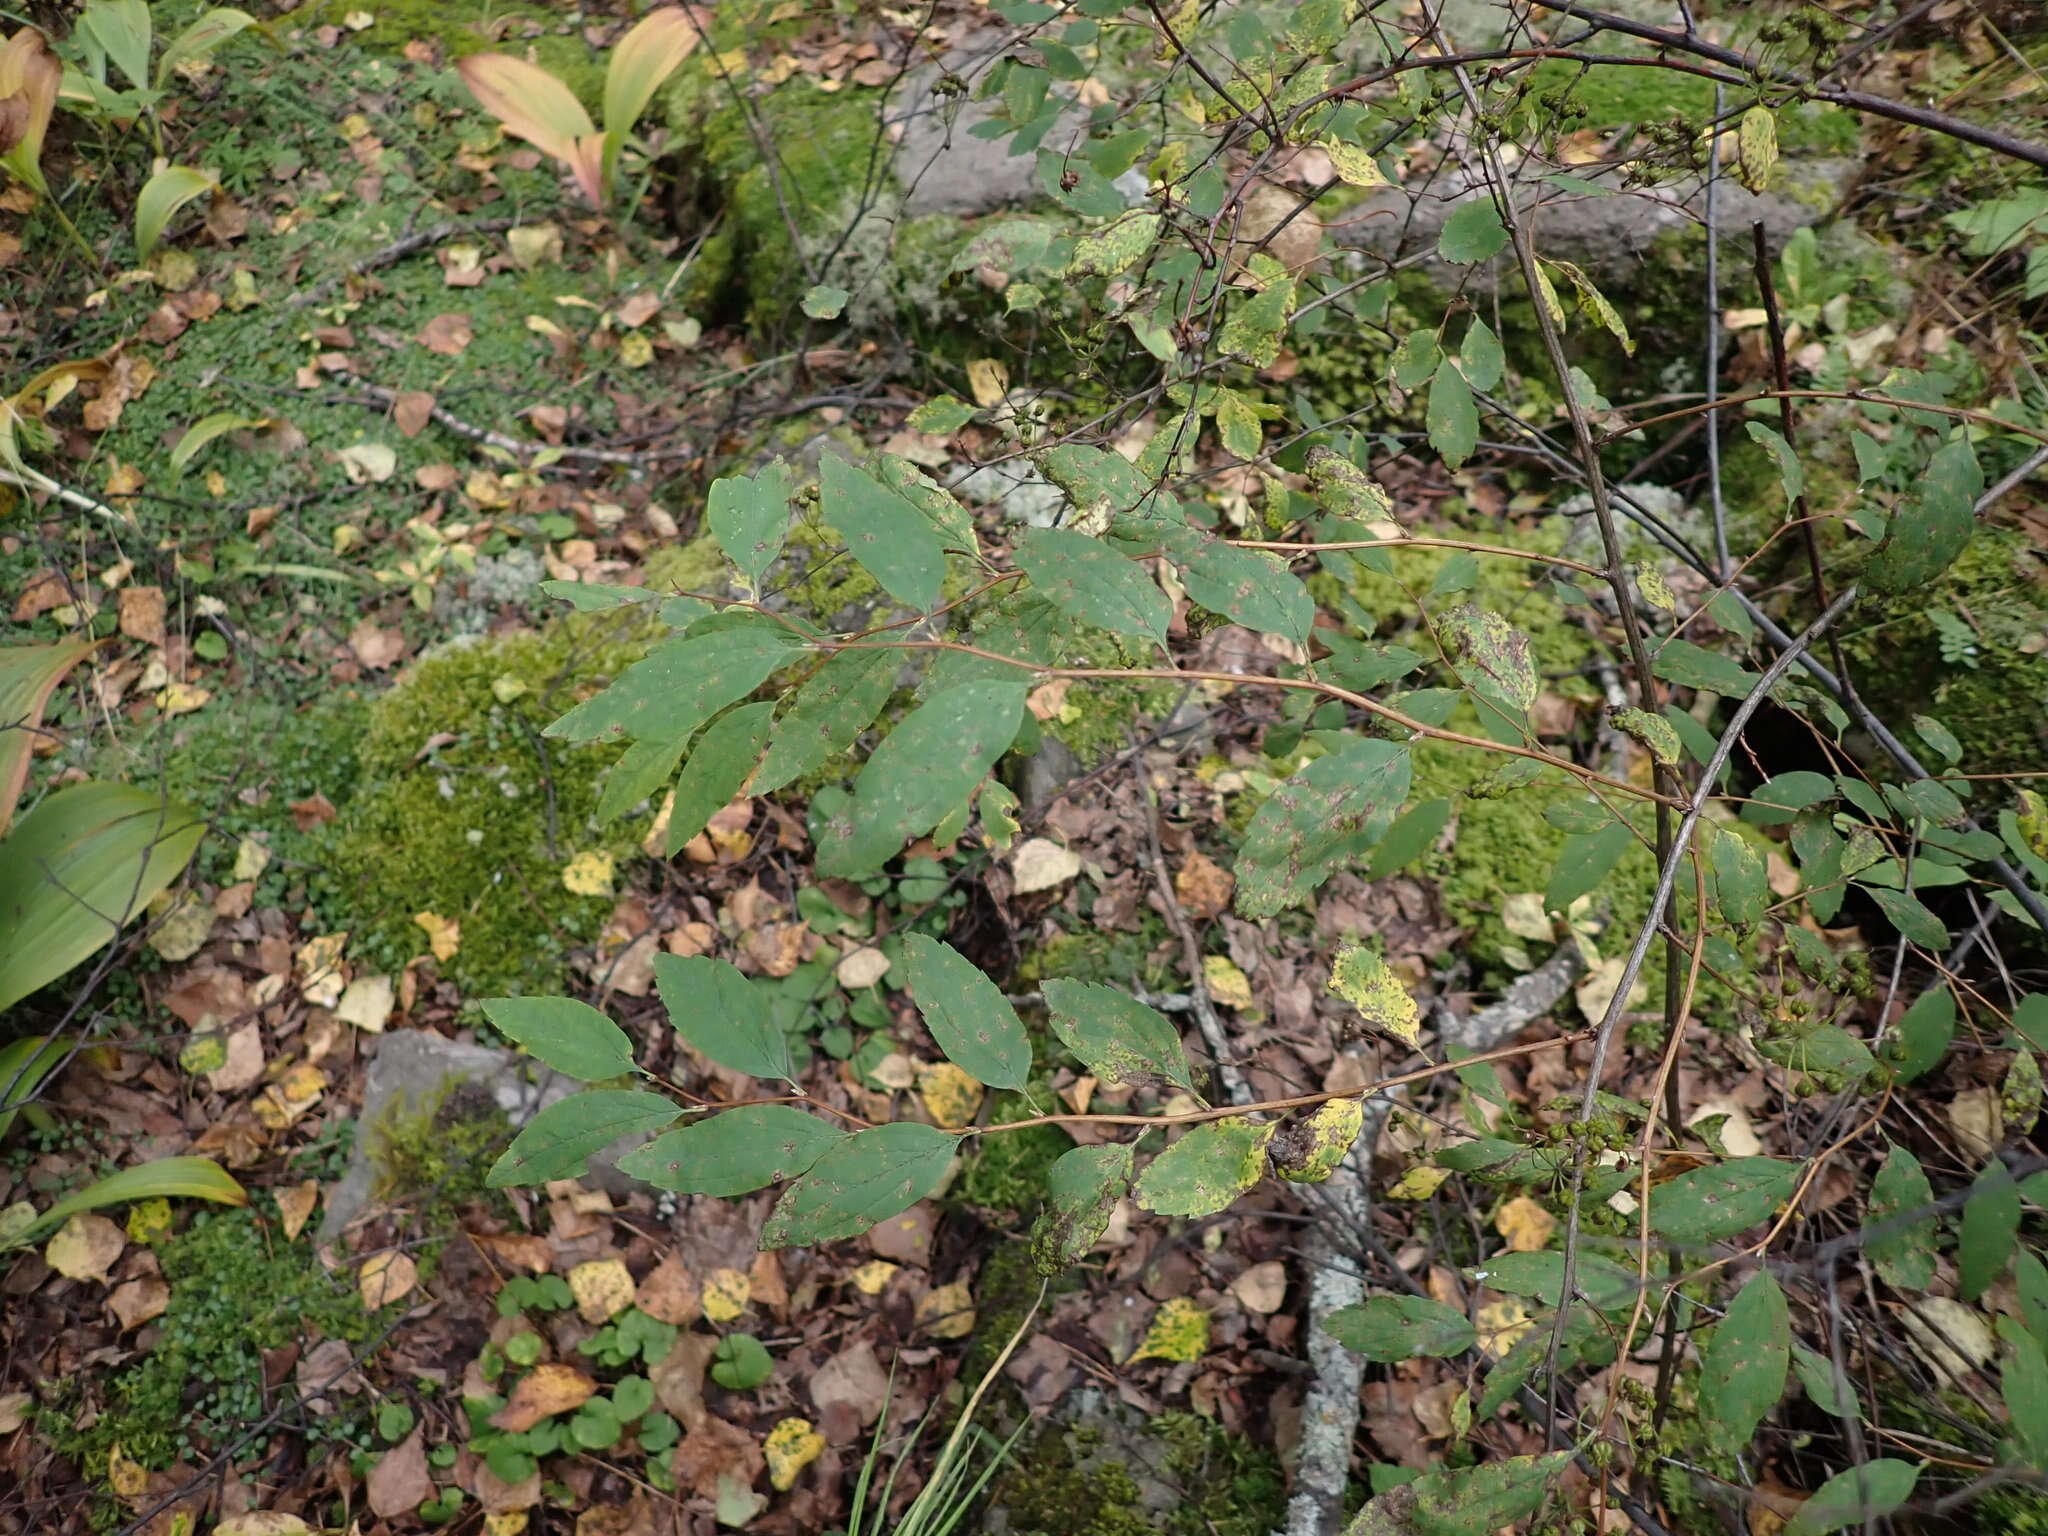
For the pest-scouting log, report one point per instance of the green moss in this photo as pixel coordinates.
(237, 1290)
(1200, 1481)
(1007, 1172)
(432, 1159)
(1098, 954)
(467, 812)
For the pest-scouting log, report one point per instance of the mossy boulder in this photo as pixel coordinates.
(466, 812)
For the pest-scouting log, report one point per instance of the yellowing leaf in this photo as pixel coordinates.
(1501, 1326)
(1227, 984)
(872, 1277)
(1179, 1333)
(181, 698)
(444, 936)
(537, 107)
(542, 1392)
(589, 873)
(366, 1003)
(1526, 1225)
(947, 1311)
(950, 1093)
(385, 1278)
(791, 1446)
(635, 349)
(125, 1475)
(251, 858)
(987, 380)
(1367, 983)
(1039, 864)
(726, 1293)
(321, 977)
(1419, 1182)
(603, 1288)
(1353, 164)
(296, 1206)
(149, 1221)
(85, 1248)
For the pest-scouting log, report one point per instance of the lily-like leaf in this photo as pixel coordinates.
(537, 107)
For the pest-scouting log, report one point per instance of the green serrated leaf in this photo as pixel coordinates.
(1473, 232)
(1932, 525)
(1087, 579)
(733, 1153)
(1990, 1228)
(1469, 1501)
(1117, 1037)
(860, 1181)
(1394, 1328)
(717, 769)
(2023, 1382)
(1208, 1168)
(749, 516)
(572, 1037)
(942, 415)
(1412, 835)
(556, 1141)
(1451, 415)
(1328, 815)
(1694, 666)
(1481, 359)
(1082, 1191)
(1911, 917)
(1597, 1279)
(1253, 587)
(835, 704)
(967, 1014)
(641, 770)
(1791, 475)
(1778, 799)
(923, 769)
(1585, 860)
(891, 538)
(722, 1014)
(1256, 325)
(1741, 879)
(1744, 1366)
(1113, 249)
(1708, 1204)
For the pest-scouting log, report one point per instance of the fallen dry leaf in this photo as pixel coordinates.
(1262, 1288)
(85, 1248)
(412, 410)
(448, 334)
(791, 1446)
(1526, 1225)
(950, 1094)
(544, 1390)
(399, 1483)
(1039, 864)
(376, 648)
(385, 1278)
(1203, 886)
(603, 1288)
(367, 1003)
(142, 614)
(726, 1293)
(135, 1302)
(295, 1205)
(947, 1311)
(668, 1293)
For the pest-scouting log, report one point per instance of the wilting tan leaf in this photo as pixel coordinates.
(135, 1302)
(296, 1206)
(444, 936)
(142, 614)
(412, 410)
(669, 1293)
(85, 1248)
(367, 1003)
(544, 1390)
(385, 1278)
(400, 1482)
(449, 334)
(1262, 1288)
(1039, 864)
(1203, 886)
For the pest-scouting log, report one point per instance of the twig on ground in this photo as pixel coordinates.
(397, 251)
(31, 480)
(520, 447)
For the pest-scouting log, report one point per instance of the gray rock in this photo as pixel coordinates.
(1016, 486)
(1608, 236)
(941, 165)
(411, 1071)
(1045, 773)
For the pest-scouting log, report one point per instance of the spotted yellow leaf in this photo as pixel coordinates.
(603, 1288)
(791, 1446)
(726, 1293)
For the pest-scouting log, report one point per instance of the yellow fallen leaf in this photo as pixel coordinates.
(385, 1278)
(987, 380)
(589, 873)
(872, 1277)
(542, 1392)
(85, 1248)
(791, 1446)
(947, 1311)
(1526, 1225)
(505, 1522)
(251, 858)
(366, 1003)
(296, 1205)
(603, 1289)
(949, 1093)
(320, 972)
(1227, 984)
(444, 936)
(1179, 1332)
(149, 1221)
(125, 1475)
(181, 698)
(263, 1522)
(1501, 1325)
(726, 1292)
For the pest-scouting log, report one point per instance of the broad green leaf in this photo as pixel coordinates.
(1925, 1031)
(1594, 304)
(1082, 1190)
(860, 1181)
(925, 767)
(1597, 1279)
(1939, 737)
(1868, 1492)
(1832, 1396)
(741, 1362)
(24, 1063)
(572, 1037)
(1468, 1501)
(1790, 475)
(1395, 1328)
(204, 431)
(1744, 1366)
(1694, 666)
(1451, 415)
(722, 1014)
(717, 769)
(1481, 359)
(1585, 860)
(1412, 835)
(556, 1141)
(1740, 878)
(1362, 668)
(1084, 577)
(1490, 655)
(749, 517)
(163, 195)
(2032, 1277)
(1415, 359)
(2023, 1382)
(643, 768)
(1253, 587)
(29, 674)
(889, 536)
(967, 1014)
(825, 301)
(1473, 232)
(942, 414)
(679, 685)
(164, 1178)
(1116, 1037)
(1931, 526)
(1708, 1204)
(1990, 1228)
(733, 1152)
(1831, 1053)
(1238, 425)
(1255, 326)
(1208, 1168)
(2029, 1019)
(88, 858)
(1324, 818)
(1911, 917)
(122, 29)
(1108, 251)
(1778, 799)
(835, 704)
(1902, 1246)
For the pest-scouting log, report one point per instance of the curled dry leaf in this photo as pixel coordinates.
(543, 1391)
